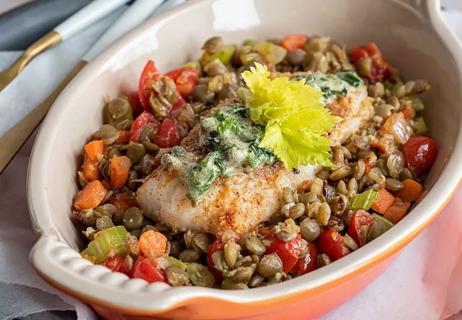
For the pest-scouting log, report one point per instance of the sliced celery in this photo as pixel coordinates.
(272, 53)
(107, 243)
(365, 66)
(177, 263)
(249, 57)
(363, 200)
(419, 126)
(225, 54)
(193, 64)
(417, 104)
(248, 42)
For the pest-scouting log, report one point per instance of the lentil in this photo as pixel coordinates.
(310, 229)
(189, 255)
(269, 265)
(255, 245)
(368, 159)
(133, 218)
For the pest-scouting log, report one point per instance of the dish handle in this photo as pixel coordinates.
(421, 7)
(54, 261)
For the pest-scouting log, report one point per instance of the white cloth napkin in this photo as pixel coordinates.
(422, 282)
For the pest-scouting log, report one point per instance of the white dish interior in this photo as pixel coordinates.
(411, 37)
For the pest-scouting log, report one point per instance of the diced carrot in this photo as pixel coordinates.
(410, 192)
(294, 41)
(383, 201)
(397, 211)
(124, 136)
(152, 244)
(118, 170)
(91, 196)
(90, 169)
(94, 150)
(408, 111)
(122, 201)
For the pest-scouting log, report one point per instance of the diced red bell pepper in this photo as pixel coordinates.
(288, 252)
(331, 243)
(185, 80)
(358, 54)
(143, 120)
(217, 245)
(148, 75)
(124, 136)
(419, 154)
(116, 264)
(176, 108)
(359, 226)
(135, 102)
(147, 269)
(168, 135)
(308, 262)
(379, 68)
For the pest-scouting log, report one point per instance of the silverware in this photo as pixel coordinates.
(35, 19)
(80, 20)
(15, 137)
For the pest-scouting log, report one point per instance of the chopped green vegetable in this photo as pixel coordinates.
(378, 227)
(248, 42)
(177, 263)
(363, 200)
(234, 139)
(225, 54)
(420, 127)
(417, 104)
(350, 77)
(272, 53)
(107, 243)
(249, 57)
(296, 123)
(193, 64)
(333, 85)
(200, 177)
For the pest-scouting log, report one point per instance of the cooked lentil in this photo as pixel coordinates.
(365, 164)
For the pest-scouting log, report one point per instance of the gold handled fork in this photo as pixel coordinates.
(16, 136)
(65, 30)
(48, 41)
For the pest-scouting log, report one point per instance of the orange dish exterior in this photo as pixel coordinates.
(310, 304)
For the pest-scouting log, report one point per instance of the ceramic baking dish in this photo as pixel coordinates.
(412, 37)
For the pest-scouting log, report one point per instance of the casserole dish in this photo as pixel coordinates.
(412, 36)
